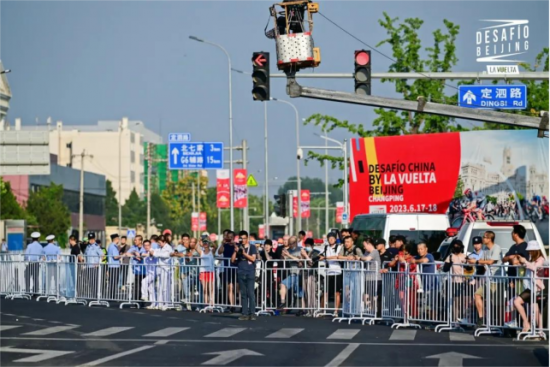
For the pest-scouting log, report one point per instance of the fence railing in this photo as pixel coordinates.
(353, 291)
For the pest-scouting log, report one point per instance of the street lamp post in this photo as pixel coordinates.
(299, 214)
(344, 149)
(5, 71)
(232, 220)
(266, 200)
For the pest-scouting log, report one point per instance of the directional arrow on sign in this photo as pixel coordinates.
(175, 153)
(451, 359)
(260, 60)
(42, 355)
(229, 356)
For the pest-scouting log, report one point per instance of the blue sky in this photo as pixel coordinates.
(80, 62)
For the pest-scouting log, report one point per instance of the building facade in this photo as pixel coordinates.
(112, 148)
(94, 193)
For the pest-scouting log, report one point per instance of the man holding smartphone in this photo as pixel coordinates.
(245, 258)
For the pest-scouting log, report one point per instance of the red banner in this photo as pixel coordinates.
(305, 204)
(222, 188)
(202, 221)
(194, 221)
(404, 174)
(339, 211)
(240, 190)
(261, 231)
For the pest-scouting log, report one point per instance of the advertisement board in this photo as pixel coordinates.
(501, 174)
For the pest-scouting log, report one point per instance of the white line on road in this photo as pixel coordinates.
(461, 337)
(285, 333)
(41, 355)
(116, 356)
(50, 330)
(403, 335)
(110, 331)
(166, 332)
(162, 342)
(8, 327)
(343, 334)
(343, 355)
(226, 332)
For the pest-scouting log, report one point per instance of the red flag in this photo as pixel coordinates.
(194, 221)
(202, 221)
(240, 190)
(222, 187)
(339, 211)
(305, 204)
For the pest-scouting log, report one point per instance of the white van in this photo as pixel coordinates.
(428, 228)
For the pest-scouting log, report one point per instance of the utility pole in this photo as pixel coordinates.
(295, 90)
(193, 201)
(245, 218)
(82, 155)
(199, 199)
(537, 75)
(149, 170)
(326, 184)
(120, 178)
(266, 200)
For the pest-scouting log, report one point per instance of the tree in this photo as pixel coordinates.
(313, 185)
(9, 207)
(133, 211)
(159, 211)
(111, 205)
(52, 215)
(459, 189)
(537, 93)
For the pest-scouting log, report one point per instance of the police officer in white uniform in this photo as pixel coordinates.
(165, 280)
(52, 253)
(33, 254)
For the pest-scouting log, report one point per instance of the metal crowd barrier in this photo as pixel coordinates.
(362, 291)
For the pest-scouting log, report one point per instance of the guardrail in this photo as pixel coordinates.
(352, 291)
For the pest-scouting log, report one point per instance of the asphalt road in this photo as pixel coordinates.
(46, 334)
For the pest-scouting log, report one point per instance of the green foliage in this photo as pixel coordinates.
(133, 211)
(52, 214)
(313, 185)
(537, 93)
(160, 213)
(9, 207)
(111, 205)
(491, 199)
(459, 190)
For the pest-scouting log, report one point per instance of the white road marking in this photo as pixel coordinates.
(50, 330)
(162, 342)
(461, 337)
(116, 356)
(343, 334)
(110, 331)
(285, 333)
(343, 355)
(8, 327)
(226, 332)
(403, 335)
(41, 355)
(166, 332)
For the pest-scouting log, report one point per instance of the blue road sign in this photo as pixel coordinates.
(504, 97)
(344, 217)
(195, 155)
(131, 233)
(185, 137)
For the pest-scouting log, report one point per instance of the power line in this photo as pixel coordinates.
(395, 61)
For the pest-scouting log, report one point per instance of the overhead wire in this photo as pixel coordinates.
(525, 113)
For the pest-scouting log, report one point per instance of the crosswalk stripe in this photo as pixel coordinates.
(343, 334)
(109, 331)
(166, 332)
(285, 333)
(403, 335)
(50, 330)
(461, 337)
(226, 332)
(8, 327)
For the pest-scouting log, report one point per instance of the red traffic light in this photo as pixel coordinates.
(362, 58)
(259, 60)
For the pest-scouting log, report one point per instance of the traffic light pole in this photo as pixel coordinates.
(295, 90)
(536, 75)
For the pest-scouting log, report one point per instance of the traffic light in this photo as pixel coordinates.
(362, 72)
(280, 205)
(260, 76)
